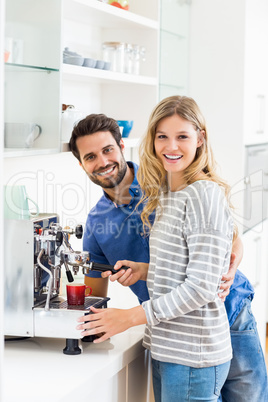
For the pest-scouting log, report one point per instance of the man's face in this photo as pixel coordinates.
(102, 159)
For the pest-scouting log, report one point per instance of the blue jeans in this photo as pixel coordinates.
(177, 383)
(247, 378)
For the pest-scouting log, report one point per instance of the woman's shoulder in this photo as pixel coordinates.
(204, 188)
(205, 195)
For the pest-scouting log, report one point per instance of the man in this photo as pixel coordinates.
(114, 231)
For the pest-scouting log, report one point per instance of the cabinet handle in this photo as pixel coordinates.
(260, 114)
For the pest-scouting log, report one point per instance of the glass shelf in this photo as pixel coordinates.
(26, 67)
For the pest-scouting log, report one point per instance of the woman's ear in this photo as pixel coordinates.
(201, 138)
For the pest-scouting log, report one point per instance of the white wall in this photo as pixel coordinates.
(215, 40)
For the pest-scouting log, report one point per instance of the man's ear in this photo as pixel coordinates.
(122, 145)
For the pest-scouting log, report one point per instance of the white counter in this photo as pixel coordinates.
(36, 370)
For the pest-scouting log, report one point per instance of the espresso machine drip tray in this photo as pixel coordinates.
(60, 321)
(97, 302)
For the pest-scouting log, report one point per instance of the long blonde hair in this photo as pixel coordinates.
(152, 175)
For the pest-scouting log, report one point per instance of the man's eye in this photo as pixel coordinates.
(89, 158)
(107, 150)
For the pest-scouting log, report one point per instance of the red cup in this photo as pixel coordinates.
(76, 293)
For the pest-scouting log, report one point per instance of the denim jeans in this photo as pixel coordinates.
(247, 378)
(177, 383)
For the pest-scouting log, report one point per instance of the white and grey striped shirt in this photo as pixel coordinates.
(190, 246)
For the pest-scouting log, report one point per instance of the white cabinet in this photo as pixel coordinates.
(254, 265)
(255, 72)
(32, 76)
(123, 96)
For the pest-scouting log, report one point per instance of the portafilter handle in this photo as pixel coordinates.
(95, 266)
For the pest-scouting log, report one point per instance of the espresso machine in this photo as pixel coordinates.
(37, 252)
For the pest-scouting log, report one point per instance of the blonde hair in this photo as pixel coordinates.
(152, 175)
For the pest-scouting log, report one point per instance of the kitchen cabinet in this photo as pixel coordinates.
(32, 75)
(123, 96)
(254, 265)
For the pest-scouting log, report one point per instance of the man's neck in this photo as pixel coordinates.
(120, 194)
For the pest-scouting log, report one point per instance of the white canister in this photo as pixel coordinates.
(70, 116)
(114, 52)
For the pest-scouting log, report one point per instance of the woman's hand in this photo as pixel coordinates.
(110, 321)
(136, 271)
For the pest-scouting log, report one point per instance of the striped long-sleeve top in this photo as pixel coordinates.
(190, 247)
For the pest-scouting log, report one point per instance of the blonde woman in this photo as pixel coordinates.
(187, 329)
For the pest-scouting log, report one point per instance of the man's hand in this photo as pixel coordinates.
(228, 278)
(136, 271)
(236, 257)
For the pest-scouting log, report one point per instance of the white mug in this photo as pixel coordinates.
(16, 203)
(21, 135)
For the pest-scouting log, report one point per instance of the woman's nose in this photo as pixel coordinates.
(172, 144)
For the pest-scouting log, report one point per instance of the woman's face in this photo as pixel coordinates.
(176, 141)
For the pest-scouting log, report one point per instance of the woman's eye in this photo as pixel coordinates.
(160, 136)
(183, 137)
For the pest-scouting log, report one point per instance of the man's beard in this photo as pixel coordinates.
(110, 182)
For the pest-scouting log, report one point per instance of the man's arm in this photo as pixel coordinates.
(99, 286)
(236, 257)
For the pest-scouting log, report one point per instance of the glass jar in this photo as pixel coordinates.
(114, 52)
(128, 58)
(138, 55)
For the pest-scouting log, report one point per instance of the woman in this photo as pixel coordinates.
(187, 329)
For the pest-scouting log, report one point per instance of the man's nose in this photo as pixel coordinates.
(102, 160)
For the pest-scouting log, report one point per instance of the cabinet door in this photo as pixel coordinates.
(256, 66)
(32, 76)
(254, 266)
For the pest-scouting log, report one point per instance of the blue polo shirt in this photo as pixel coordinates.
(115, 232)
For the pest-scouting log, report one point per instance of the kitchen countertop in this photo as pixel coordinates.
(35, 369)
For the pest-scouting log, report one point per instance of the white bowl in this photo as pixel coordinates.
(89, 62)
(75, 60)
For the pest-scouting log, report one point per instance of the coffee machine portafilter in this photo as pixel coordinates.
(35, 252)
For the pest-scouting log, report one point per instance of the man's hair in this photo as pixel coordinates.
(90, 125)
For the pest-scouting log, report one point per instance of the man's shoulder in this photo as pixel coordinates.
(99, 206)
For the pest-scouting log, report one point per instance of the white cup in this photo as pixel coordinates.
(16, 203)
(21, 135)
